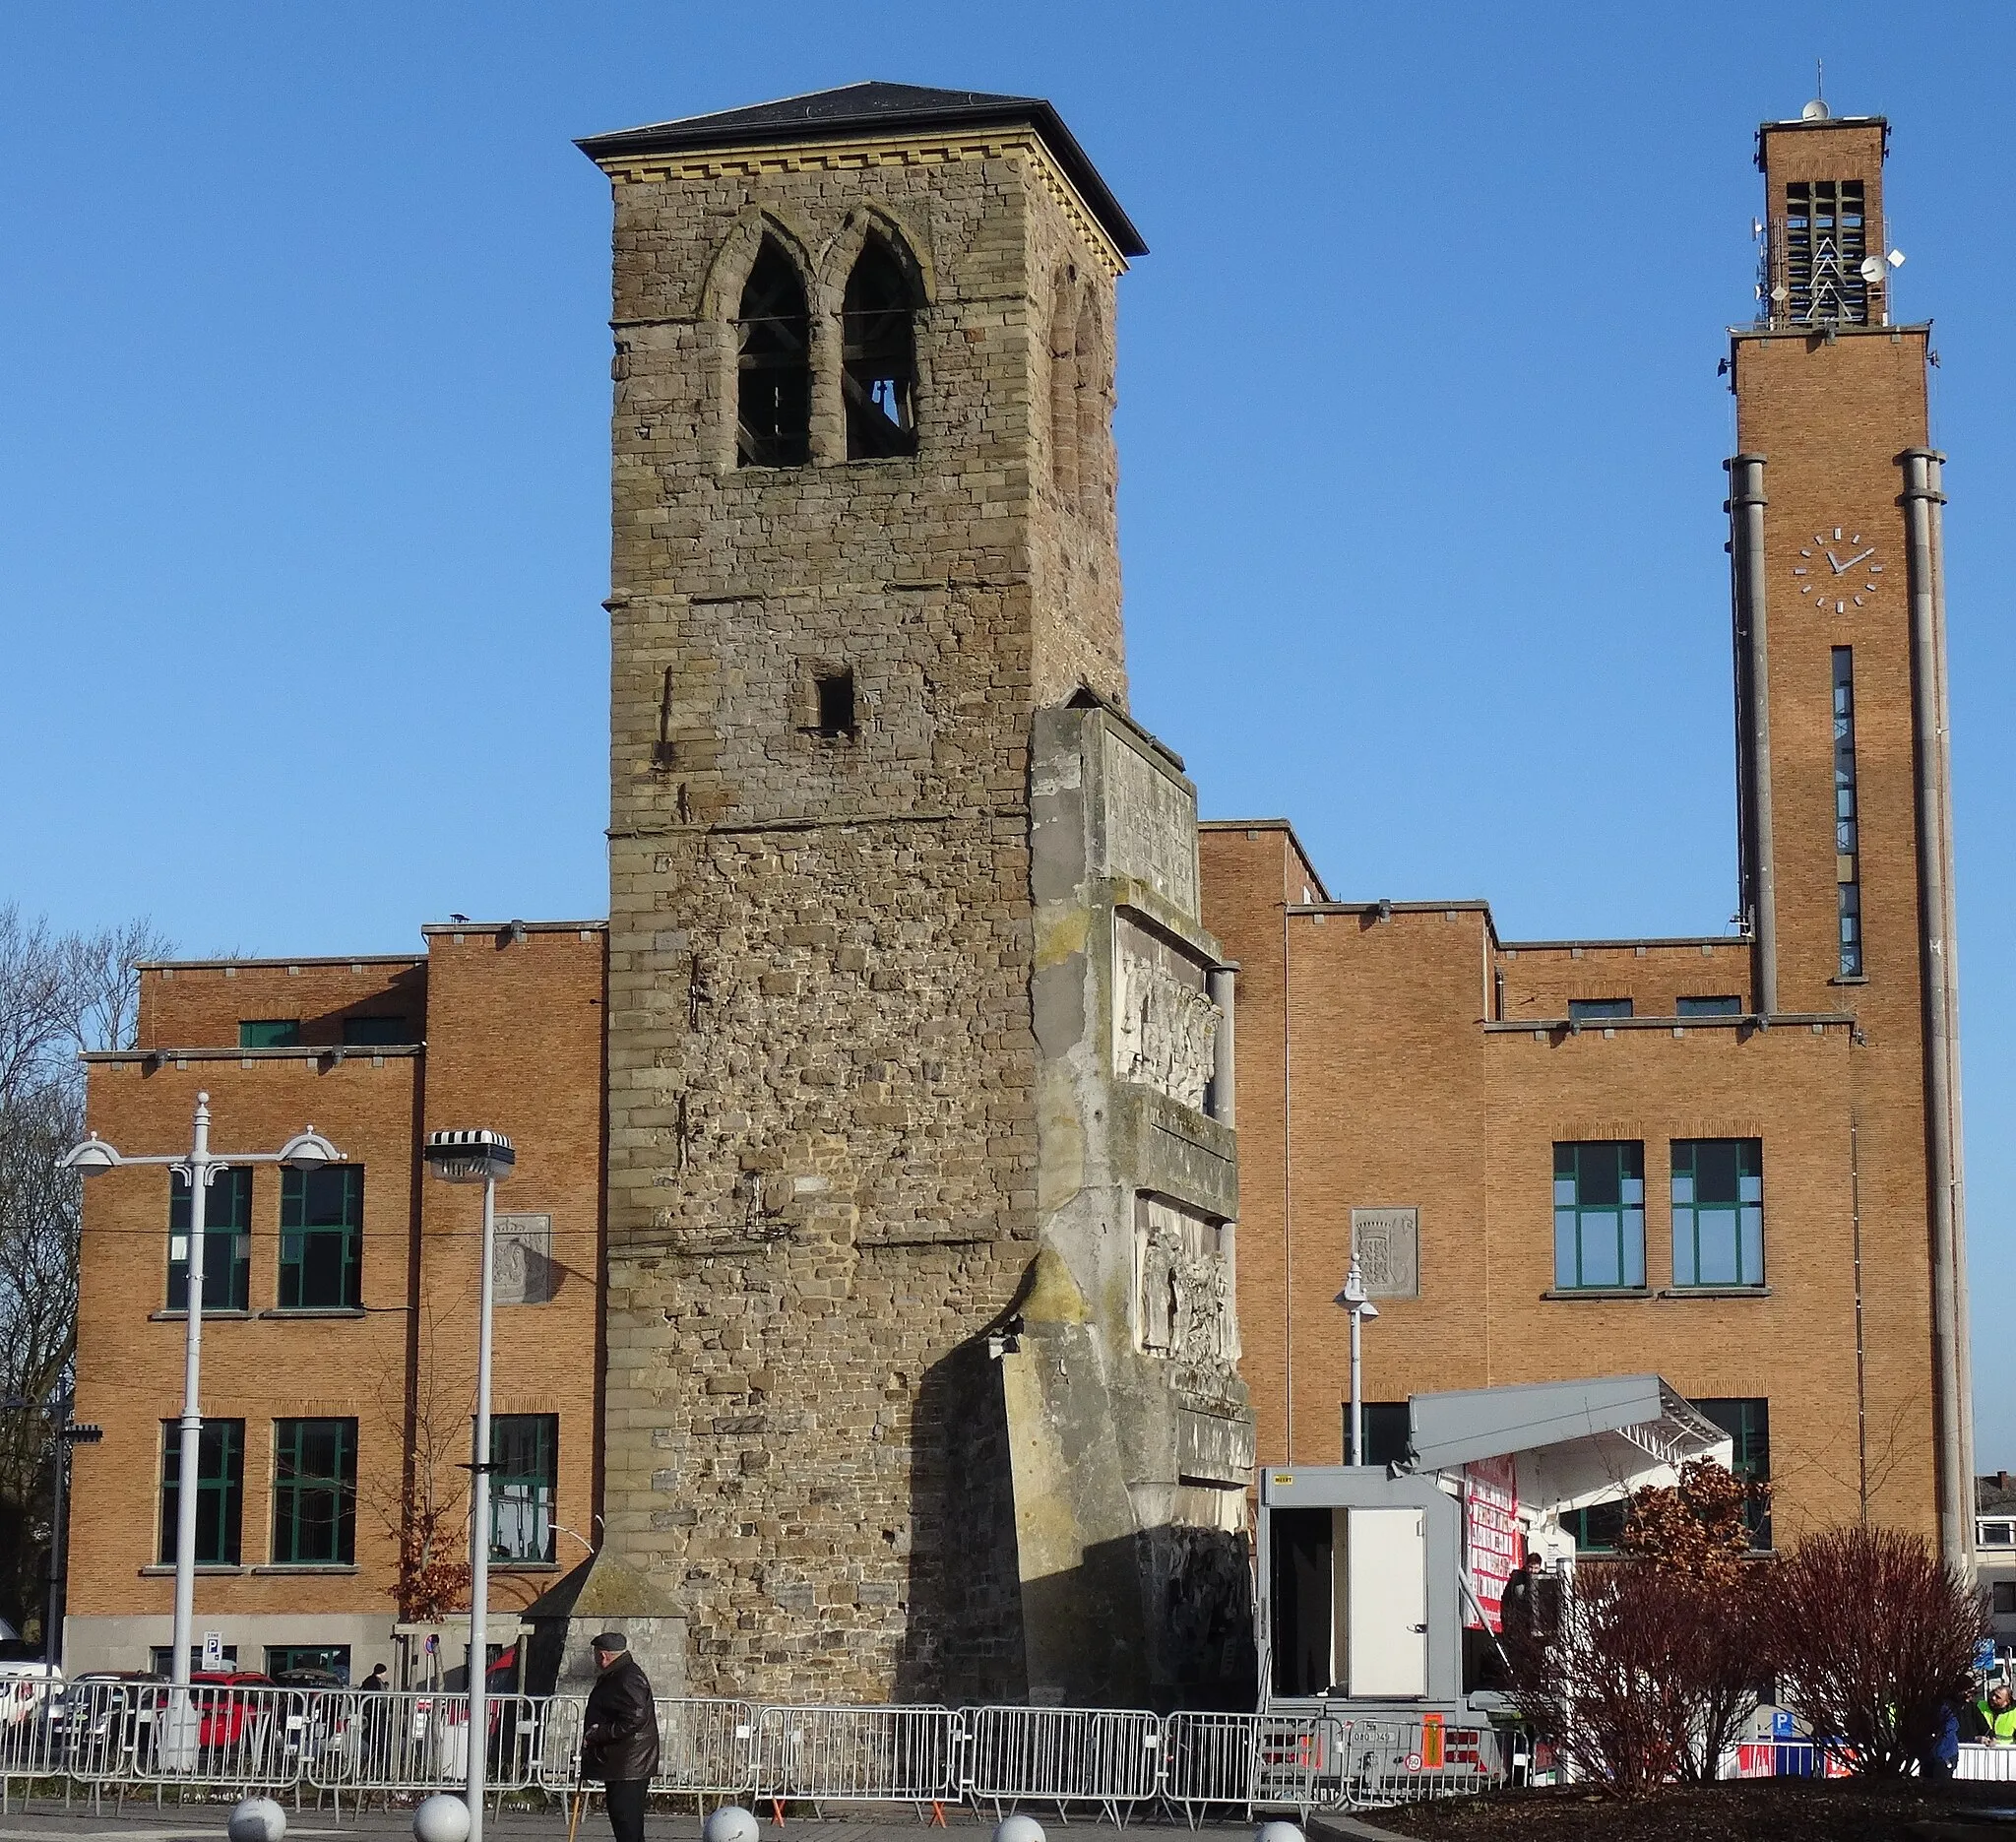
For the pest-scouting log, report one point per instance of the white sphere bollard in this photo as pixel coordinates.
(1278, 1833)
(1018, 1828)
(441, 1819)
(257, 1819)
(730, 1823)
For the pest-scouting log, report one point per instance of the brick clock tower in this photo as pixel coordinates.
(1847, 832)
(920, 1370)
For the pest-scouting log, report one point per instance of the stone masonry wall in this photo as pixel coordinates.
(822, 1143)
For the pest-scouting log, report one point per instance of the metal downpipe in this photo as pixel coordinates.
(1746, 550)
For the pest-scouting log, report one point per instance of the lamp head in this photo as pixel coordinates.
(470, 1157)
(308, 1151)
(94, 1158)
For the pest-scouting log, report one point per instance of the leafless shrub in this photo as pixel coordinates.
(1870, 1636)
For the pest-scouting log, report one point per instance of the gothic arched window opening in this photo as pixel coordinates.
(774, 383)
(880, 355)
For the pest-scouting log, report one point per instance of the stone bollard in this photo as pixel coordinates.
(257, 1819)
(441, 1819)
(730, 1823)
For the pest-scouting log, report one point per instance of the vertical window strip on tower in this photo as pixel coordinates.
(1599, 1215)
(1825, 242)
(1847, 875)
(220, 1491)
(227, 1242)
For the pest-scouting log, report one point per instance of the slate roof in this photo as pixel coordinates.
(881, 109)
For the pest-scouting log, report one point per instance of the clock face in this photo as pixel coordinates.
(1838, 571)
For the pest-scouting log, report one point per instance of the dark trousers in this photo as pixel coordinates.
(625, 1798)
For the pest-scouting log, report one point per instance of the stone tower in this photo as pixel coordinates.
(1847, 818)
(920, 1368)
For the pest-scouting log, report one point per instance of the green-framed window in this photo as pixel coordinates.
(525, 1479)
(321, 1237)
(333, 1658)
(220, 1491)
(370, 1032)
(1598, 1009)
(1717, 1212)
(315, 1492)
(1728, 1006)
(1599, 1215)
(1597, 1528)
(269, 1033)
(227, 1242)
(1747, 1421)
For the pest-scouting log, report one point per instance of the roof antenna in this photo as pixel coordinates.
(1816, 110)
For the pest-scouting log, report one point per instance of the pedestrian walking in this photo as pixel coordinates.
(619, 1734)
(375, 1683)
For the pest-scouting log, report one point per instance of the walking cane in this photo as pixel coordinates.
(574, 1821)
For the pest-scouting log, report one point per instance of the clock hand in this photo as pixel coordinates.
(1860, 558)
(1841, 568)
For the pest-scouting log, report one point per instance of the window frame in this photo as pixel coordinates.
(269, 1033)
(1747, 1418)
(1852, 943)
(764, 362)
(1686, 1215)
(1572, 1212)
(544, 1478)
(1709, 1004)
(1598, 1009)
(296, 1237)
(293, 1490)
(227, 1246)
(879, 347)
(220, 1493)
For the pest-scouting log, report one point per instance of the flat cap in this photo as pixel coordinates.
(608, 1642)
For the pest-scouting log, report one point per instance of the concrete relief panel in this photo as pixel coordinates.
(1164, 1025)
(1185, 1308)
(1150, 823)
(522, 1270)
(1386, 1244)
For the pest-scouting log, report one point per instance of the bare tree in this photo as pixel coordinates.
(59, 993)
(428, 1512)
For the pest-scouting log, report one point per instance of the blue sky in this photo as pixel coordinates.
(302, 454)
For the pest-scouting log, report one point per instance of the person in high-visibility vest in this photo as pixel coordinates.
(1993, 1720)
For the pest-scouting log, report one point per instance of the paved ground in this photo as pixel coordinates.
(47, 1821)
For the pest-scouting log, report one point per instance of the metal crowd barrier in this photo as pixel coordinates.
(855, 1755)
(121, 1735)
(1108, 1757)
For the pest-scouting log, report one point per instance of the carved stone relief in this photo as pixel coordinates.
(1150, 824)
(1386, 1244)
(522, 1268)
(1185, 1309)
(1164, 1023)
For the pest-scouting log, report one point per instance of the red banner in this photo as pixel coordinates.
(1490, 1526)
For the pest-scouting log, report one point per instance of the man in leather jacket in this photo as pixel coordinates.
(619, 1735)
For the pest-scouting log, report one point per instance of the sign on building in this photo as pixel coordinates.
(1386, 1244)
(1490, 1531)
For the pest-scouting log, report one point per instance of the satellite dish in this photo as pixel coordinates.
(1756, 227)
(1873, 269)
(1816, 110)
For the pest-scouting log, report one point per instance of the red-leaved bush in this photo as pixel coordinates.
(1870, 1636)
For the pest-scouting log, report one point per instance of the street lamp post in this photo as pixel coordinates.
(480, 1156)
(307, 1150)
(1354, 1300)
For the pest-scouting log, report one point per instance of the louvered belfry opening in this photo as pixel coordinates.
(774, 395)
(1825, 244)
(880, 355)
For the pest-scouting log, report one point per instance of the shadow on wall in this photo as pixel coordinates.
(962, 1638)
(1163, 1619)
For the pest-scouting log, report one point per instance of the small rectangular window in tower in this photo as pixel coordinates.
(1825, 244)
(1598, 1009)
(1848, 857)
(834, 695)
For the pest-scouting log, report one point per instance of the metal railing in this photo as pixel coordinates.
(335, 1743)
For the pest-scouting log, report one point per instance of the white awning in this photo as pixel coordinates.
(1575, 1442)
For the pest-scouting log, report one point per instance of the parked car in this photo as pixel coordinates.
(26, 1690)
(101, 1715)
